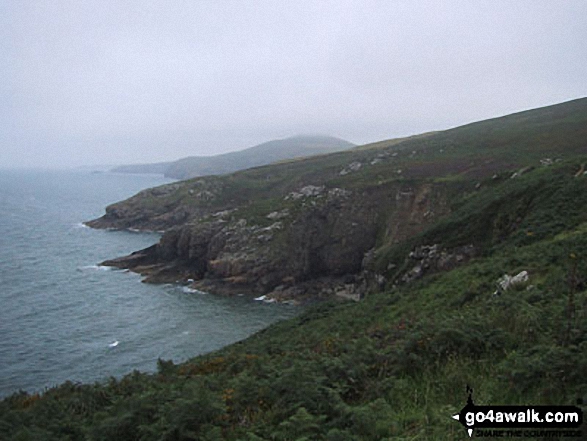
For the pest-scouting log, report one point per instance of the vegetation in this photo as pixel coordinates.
(394, 365)
(459, 158)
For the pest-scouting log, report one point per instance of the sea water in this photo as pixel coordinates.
(64, 317)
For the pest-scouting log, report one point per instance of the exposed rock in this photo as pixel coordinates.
(368, 258)
(506, 281)
(380, 280)
(322, 235)
(521, 172)
(276, 215)
(163, 190)
(305, 192)
(320, 245)
(338, 193)
(352, 167)
(349, 291)
(427, 258)
(160, 209)
(223, 214)
(323, 247)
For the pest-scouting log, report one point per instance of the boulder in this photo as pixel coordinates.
(506, 281)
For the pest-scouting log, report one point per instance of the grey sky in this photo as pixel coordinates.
(100, 81)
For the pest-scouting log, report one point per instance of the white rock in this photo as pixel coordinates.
(506, 281)
(278, 214)
(520, 278)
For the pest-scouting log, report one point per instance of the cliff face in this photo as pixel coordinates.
(154, 209)
(339, 223)
(315, 246)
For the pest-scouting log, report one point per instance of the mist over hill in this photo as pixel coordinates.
(262, 154)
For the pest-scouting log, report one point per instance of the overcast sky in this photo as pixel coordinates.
(107, 82)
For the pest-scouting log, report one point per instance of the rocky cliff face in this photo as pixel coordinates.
(159, 208)
(337, 224)
(316, 246)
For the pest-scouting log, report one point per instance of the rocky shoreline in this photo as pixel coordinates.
(319, 244)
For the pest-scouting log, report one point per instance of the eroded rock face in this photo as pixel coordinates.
(328, 240)
(162, 208)
(431, 258)
(316, 242)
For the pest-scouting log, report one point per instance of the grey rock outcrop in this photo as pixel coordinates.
(430, 258)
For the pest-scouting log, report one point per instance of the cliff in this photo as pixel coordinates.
(333, 224)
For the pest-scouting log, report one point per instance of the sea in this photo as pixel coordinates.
(65, 317)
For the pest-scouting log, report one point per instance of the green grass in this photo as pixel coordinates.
(395, 365)
(471, 153)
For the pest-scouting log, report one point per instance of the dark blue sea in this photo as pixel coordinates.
(63, 317)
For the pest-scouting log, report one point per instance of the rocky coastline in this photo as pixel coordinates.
(318, 244)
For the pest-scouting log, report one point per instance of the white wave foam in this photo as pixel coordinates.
(265, 299)
(113, 344)
(96, 268)
(188, 290)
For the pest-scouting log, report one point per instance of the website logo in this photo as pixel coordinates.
(516, 421)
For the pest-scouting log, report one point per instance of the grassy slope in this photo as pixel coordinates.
(465, 154)
(393, 366)
(265, 153)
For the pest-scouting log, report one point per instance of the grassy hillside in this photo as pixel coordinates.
(309, 228)
(470, 153)
(393, 366)
(497, 197)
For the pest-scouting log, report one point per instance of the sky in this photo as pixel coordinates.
(139, 81)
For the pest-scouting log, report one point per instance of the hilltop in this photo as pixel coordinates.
(265, 153)
(329, 225)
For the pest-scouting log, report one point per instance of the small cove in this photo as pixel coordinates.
(62, 314)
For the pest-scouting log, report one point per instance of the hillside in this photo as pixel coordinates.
(395, 365)
(327, 225)
(262, 154)
(466, 249)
